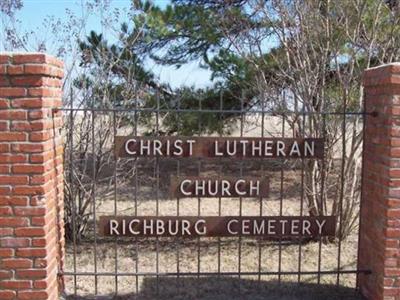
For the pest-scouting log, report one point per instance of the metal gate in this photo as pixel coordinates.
(98, 183)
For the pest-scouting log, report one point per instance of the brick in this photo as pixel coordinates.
(21, 126)
(42, 179)
(40, 136)
(29, 147)
(15, 242)
(15, 284)
(393, 213)
(28, 169)
(14, 200)
(392, 272)
(6, 148)
(4, 103)
(37, 295)
(39, 200)
(4, 81)
(42, 125)
(17, 263)
(44, 92)
(40, 284)
(15, 70)
(13, 115)
(31, 273)
(391, 262)
(39, 242)
(391, 243)
(30, 190)
(5, 190)
(40, 69)
(4, 126)
(39, 114)
(13, 158)
(12, 92)
(30, 211)
(6, 252)
(13, 222)
(393, 202)
(31, 252)
(5, 211)
(42, 157)
(53, 82)
(5, 58)
(14, 179)
(391, 291)
(393, 233)
(29, 58)
(13, 136)
(380, 229)
(30, 164)
(6, 232)
(27, 102)
(3, 69)
(5, 275)
(30, 231)
(27, 81)
(388, 282)
(7, 295)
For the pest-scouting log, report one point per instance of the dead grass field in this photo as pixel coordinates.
(208, 254)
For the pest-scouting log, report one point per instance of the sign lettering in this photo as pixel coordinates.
(219, 187)
(268, 227)
(135, 146)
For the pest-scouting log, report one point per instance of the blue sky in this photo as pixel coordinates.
(34, 11)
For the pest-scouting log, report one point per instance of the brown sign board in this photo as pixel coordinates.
(206, 187)
(211, 147)
(227, 226)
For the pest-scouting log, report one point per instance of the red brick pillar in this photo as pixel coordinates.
(31, 177)
(380, 204)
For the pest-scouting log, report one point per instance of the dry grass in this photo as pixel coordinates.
(209, 254)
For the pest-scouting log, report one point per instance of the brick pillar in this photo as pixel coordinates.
(31, 177)
(380, 204)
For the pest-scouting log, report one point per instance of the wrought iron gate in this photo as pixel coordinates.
(100, 184)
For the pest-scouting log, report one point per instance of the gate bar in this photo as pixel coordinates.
(187, 110)
(194, 274)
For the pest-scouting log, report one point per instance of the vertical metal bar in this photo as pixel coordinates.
(157, 193)
(221, 105)
(322, 193)
(302, 190)
(341, 191)
(94, 200)
(281, 204)
(71, 170)
(364, 118)
(178, 171)
(135, 129)
(115, 207)
(261, 198)
(240, 198)
(199, 198)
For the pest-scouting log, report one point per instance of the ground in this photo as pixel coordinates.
(149, 256)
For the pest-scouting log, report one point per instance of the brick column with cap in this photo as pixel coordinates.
(31, 177)
(380, 203)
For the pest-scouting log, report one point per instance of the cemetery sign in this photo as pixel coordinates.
(211, 147)
(216, 187)
(268, 227)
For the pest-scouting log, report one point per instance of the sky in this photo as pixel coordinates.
(34, 11)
